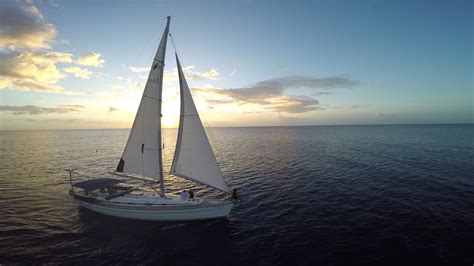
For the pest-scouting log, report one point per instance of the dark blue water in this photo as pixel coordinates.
(333, 195)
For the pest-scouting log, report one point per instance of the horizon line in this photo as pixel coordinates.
(320, 125)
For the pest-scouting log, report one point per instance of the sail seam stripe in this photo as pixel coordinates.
(153, 98)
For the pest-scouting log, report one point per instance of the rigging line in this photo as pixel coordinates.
(99, 141)
(172, 42)
(213, 139)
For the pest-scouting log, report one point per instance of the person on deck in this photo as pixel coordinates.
(236, 195)
(184, 195)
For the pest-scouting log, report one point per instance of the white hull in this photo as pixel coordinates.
(202, 211)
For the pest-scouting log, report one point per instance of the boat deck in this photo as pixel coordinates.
(149, 200)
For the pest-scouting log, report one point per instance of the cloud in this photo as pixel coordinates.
(63, 41)
(139, 69)
(36, 110)
(294, 104)
(309, 82)
(23, 26)
(78, 72)
(278, 64)
(319, 93)
(54, 3)
(359, 106)
(24, 35)
(350, 107)
(137, 87)
(385, 116)
(91, 59)
(70, 120)
(191, 74)
(269, 94)
(102, 75)
(32, 70)
(112, 109)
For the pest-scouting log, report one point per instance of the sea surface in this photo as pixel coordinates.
(330, 195)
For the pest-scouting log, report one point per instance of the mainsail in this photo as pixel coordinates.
(193, 158)
(142, 153)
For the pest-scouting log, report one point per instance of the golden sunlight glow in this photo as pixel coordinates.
(170, 121)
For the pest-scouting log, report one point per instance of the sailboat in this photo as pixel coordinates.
(142, 159)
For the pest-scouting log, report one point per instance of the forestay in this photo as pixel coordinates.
(193, 158)
(142, 154)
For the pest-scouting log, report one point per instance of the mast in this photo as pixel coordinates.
(160, 144)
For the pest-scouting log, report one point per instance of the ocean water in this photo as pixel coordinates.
(331, 195)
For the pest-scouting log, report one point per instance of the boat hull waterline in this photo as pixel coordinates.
(204, 211)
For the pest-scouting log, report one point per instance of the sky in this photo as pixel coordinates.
(83, 64)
